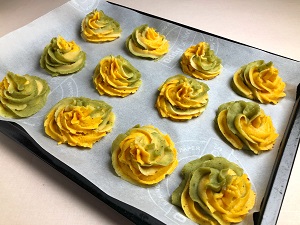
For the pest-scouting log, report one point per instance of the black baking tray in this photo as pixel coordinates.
(270, 206)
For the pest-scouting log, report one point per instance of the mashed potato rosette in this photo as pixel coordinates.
(259, 81)
(22, 96)
(200, 61)
(79, 121)
(143, 155)
(246, 126)
(214, 191)
(62, 57)
(181, 98)
(116, 76)
(97, 27)
(146, 42)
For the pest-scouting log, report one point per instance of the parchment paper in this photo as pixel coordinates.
(20, 53)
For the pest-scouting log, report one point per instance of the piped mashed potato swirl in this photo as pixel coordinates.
(116, 76)
(143, 155)
(22, 96)
(214, 191)
(246, 126)
(259, 81)
(97, 27)
(79, 121)
(200, 61)
(61, 57)
(146, 42)
(181, 98)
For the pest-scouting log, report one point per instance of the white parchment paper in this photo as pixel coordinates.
(20, 52)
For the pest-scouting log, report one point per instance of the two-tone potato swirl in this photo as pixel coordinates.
(61, 57)
(259, 81)
(97, 27)
(79, 121)
(116, 76)
(181, 98)
(22, 96)
(246, 126)
(200, 61)
(146, 42)
(214, 191)
(144, 155)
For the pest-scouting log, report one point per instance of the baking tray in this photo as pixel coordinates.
(271, 202)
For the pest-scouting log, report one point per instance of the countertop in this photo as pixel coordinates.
(32, 192)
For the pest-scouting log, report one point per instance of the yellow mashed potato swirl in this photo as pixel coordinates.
(146, 42)
(79, 121)
(182, 98)
(62, 57)
(143, 155)
(115, 76)
(259, 81)
(200, 61)
(22, 96)
(97, 27)
(246, 126)
(214, 191)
